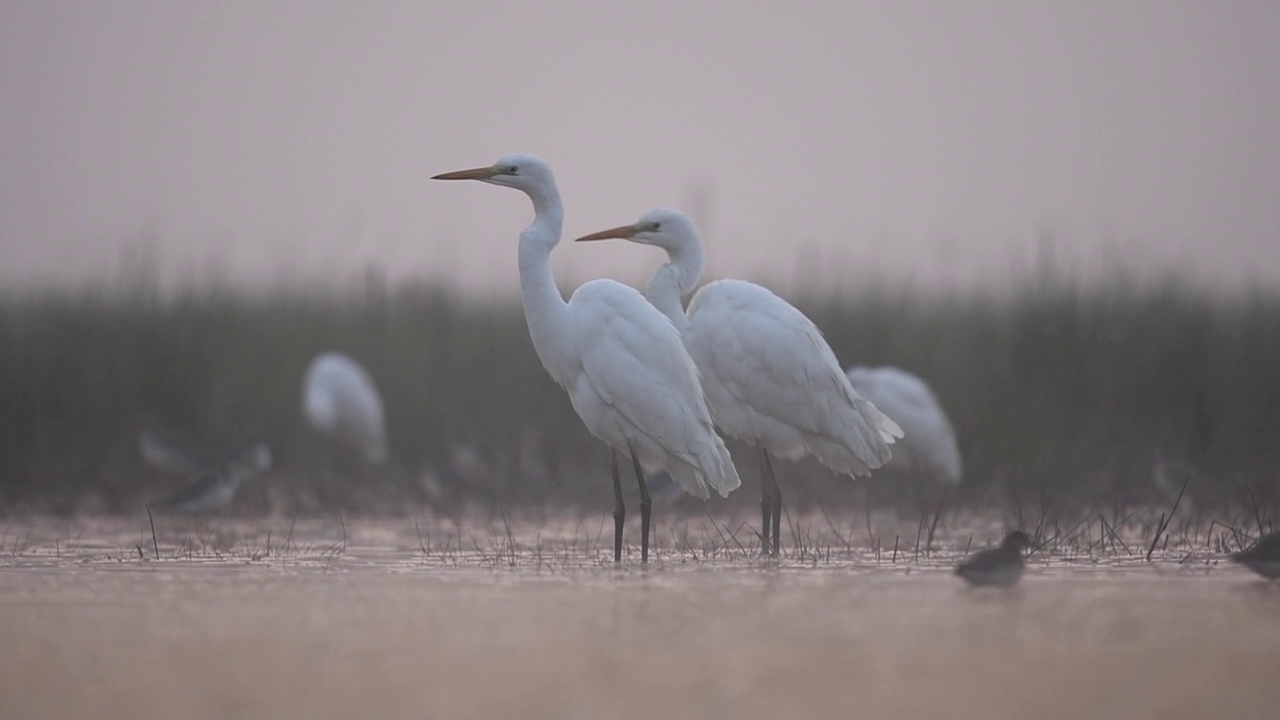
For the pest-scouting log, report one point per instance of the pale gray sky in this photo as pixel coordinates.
(935, 141)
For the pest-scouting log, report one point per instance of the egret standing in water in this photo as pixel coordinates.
(622, 362)
(771, 379)
(929, 451)
(340, 401)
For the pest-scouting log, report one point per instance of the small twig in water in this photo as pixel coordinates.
(1164, 522)
(919, 530)
(1256, 515)
(733, 535)
(724, 541)
(928, 543)
(831, 526)
(1115, 537)
(1235, 532)
(289, 539)
(154, 543)
(1156, 539)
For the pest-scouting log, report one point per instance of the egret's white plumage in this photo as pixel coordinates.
(341, 402)
(622, 362)
(770, 378)
(929, 448)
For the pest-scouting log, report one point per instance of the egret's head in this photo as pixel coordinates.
(522, 172)
(668, 229)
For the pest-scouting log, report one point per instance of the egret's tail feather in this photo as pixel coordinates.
(858, 439)
(688, 478)
(888, 429)
(727, 480)
(839, 457)
(712, 467)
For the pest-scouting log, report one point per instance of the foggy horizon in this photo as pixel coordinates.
(926, 143)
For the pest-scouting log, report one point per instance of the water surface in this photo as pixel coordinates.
(530, 625)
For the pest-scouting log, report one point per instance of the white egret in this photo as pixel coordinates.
(622, 362)
(771, 379)
(929, 448)
(341, 402)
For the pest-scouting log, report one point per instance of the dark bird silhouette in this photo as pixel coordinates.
(1263, 557)
(998, 566)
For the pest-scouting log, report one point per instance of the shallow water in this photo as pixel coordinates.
(538, 624)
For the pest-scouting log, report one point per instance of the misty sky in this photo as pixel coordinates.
(836, 141)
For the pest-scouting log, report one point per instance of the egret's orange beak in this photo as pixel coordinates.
(624, 232)
(483, 173)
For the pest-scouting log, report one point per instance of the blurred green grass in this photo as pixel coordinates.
(1058, 392)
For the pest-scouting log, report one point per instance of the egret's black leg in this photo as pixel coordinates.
(771, 506)
(766, 503)
(646, 504)
(619, 507)
(775, 499)
(777, 522)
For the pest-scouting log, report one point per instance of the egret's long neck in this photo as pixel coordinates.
(676, 279)
(544, 308)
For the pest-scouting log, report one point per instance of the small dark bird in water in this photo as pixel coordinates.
(997, 566)
(1263, 558)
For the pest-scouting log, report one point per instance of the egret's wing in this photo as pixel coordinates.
(635, 360)
(768, 355)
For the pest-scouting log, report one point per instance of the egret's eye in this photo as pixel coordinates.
(513, 169)
(657, 226)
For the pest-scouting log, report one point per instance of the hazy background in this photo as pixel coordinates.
(885, 166)
(942, 142)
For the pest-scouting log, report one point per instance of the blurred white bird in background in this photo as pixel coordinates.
(213, 483)
(929, 450)
(622, 362)
(341, 402)
(771, 379)
(171, 451)
(1170, 475)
